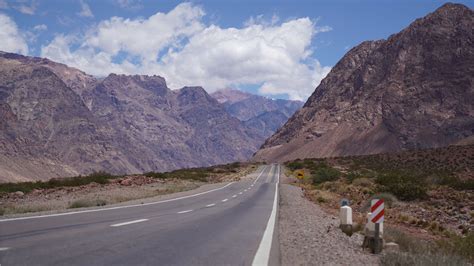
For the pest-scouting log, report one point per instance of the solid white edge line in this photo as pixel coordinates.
(186, 211)
(131, 222)
(262, 256)
(114, 208)
(224, 200)
(210, 205)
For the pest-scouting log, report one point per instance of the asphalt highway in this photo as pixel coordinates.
(231, 225)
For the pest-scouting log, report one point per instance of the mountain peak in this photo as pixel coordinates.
(230, 95)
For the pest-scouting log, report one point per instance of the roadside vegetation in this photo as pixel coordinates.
(428, 193)
(200, 174)
(99, 189)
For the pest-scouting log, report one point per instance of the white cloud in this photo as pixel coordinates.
(27, 9)
(85, 10)
(12, 40)
(181, 48)
(40, 27)
(130, 4)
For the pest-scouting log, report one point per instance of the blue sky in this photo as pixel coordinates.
(277, 48)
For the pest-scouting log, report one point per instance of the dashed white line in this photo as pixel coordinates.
(131, 222)
(240, 193)
(245, 190)
(224, 200)
(186, 211)
(210, 205)
(234, 196)
(4, 249)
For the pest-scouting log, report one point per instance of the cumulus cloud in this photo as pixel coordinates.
(181, 47)
(12, 40)
(85, 10)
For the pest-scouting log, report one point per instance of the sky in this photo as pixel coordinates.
(280, 49)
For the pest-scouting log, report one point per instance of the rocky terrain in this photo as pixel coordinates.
(261, 114)
(411, 91)
(58, 121)
(310, 236)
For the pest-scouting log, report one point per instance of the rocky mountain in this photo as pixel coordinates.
(57, 121)
(413, 90)
(260, 114)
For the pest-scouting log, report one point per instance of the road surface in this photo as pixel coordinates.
(230, 225)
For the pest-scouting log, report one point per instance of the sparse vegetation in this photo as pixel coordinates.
(404, 186)
(97, 177)
(82, 203)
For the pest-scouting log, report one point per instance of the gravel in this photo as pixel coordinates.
(310, 236)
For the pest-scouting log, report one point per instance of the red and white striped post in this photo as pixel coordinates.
(377, 217)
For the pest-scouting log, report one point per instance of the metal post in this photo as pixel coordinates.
(377, 241)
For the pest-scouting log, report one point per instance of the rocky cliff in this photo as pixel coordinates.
(57, 121)
(414, 90)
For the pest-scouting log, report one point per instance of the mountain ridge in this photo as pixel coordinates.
(410, 91)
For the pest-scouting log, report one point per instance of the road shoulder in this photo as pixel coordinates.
(310, 236)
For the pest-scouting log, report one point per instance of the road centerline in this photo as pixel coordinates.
(186, 211)
(210, 205)
(130, 222)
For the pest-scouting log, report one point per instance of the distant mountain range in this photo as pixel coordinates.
(263, 115)
(414, 90)
(58, 121)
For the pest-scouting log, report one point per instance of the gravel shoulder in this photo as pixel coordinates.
(310, 236)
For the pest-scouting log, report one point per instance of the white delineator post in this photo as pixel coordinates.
(345, 216)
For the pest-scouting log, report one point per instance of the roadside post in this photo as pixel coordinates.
(345, 216)
(377, 217)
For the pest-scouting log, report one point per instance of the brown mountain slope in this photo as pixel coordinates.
(414, 90)
(57, 121)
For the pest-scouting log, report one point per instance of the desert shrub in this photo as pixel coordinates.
(82, 203)
(325, 174)
(428, 258)
(295, 165)
(363, 182)
(460, 245)
(353, 175)
(98, 177)
(156, 175)
(404, 186)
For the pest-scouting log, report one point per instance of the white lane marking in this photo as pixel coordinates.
(240, 193)
(4, 249)
(234, 196)
(131, 222)
(258, 177)
(210, 205)
(269, 177)
(262, 256)
(224, 200)
(115, 208)
(186, 211)
(245, 190)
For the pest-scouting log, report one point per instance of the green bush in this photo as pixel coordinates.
(325, 174)
(98, 177)
(295, 165)
(403, 186)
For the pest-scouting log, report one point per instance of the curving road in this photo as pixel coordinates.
(231, 225)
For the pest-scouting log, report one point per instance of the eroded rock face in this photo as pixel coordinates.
(58, 121)
(414, 90)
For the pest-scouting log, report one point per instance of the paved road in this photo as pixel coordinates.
(231, 225)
